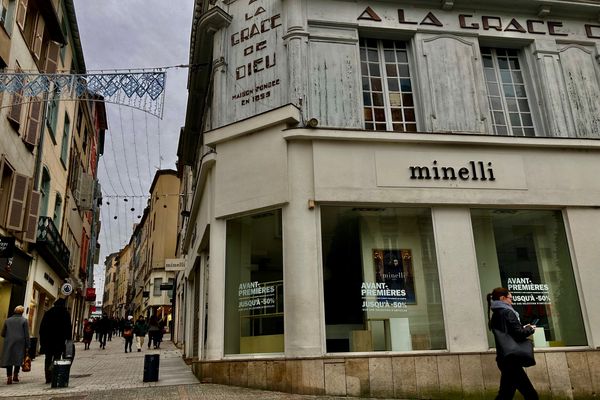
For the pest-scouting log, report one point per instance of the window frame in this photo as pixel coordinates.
(530, 92)
(385, 86)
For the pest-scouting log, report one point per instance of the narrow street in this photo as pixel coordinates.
(111, 374)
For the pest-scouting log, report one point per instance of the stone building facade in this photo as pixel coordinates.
(358, 175)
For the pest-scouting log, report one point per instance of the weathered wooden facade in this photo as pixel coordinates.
(357, 175)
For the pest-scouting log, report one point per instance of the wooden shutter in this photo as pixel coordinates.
(33, 124)
(18, 197)
(15, 108)
(38, 37)
(52, 52)
(21, 13)
(31, 220)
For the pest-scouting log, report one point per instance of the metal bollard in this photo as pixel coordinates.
(151, 367)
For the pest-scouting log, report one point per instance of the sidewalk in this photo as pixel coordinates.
(111, 374)
(99, 370)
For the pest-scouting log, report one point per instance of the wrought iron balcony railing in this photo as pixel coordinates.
(51, 246)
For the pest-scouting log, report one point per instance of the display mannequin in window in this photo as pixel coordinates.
(513, 376)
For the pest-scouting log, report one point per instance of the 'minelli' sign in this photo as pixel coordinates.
(474, 170)
(412, 168)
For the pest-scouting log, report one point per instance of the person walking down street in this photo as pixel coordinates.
(139, 330)
(16, 342)
(160, 333)
(103, 326)
(506, 319)
(153, 331)
(54, 330)
(128, 333)
(88, 333)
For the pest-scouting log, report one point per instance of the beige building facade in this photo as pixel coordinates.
(364, 173)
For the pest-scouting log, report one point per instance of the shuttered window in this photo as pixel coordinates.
(387, 86)
(18, 197)
(52, 52)
(6, 178)
(33, 123)
(14, 115)
(33, 214)
(38, 37)
(21, 13)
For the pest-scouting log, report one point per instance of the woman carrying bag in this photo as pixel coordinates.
(513, 350)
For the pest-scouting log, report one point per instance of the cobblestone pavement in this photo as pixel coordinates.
(111, 374)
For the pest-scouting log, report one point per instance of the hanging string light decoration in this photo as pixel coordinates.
(142, 89)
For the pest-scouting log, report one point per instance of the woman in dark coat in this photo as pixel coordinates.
(16, 342)
(88, 333)
(513, 375)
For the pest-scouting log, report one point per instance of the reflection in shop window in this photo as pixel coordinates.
(526, 251)
(254, 285)
(381, 283)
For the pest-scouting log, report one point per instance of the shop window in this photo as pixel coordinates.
(387, 86)
(506, 92)
(381, 283)
(254, 285)
(527, 252)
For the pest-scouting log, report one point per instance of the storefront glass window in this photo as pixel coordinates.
(382, 290)
(526, 251)
(254, 285)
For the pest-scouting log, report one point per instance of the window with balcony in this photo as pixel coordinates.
(387, 86)
(506, 92)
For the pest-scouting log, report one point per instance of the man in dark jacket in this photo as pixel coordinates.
(103, 327)
(54, 330)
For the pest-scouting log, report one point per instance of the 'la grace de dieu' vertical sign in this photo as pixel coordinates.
(256, 59)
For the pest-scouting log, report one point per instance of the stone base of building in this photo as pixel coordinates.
(558, 375)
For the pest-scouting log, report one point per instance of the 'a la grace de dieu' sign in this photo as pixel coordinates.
(490, 23)
(255, 58)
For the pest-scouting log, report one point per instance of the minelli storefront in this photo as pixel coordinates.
(353, 236)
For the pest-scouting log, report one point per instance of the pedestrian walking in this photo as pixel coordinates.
(88, 333)
(506, 320)
(128, 333)
(55, 329)
(153, 331)
(16, 343)
(160, 333)
(103, 327)
(139, 330)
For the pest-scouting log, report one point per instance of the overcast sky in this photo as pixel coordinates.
(134, 34)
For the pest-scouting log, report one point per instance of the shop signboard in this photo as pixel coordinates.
(7, 246)
(90, 294)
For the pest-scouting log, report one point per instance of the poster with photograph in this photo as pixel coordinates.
(394, 268)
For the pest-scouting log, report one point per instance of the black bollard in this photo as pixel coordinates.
(60, 373)
(151, 367)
